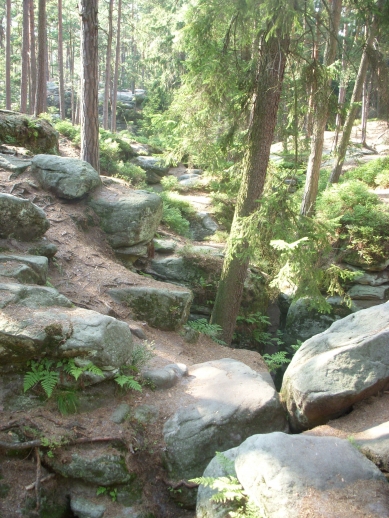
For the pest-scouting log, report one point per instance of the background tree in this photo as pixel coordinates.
(8, 59)
(41, 86)
(89, 114)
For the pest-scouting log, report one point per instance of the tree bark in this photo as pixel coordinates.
(62, 110)
(354, 105)
(321, 102)
(270, 71)
(41, 87)
(8, 58)
(116, 73)
(107, 91)
(32, 58)
(89, 114)
(25, 46)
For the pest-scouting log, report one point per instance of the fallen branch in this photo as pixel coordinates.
(38, 443)
(38, 479)
(42, 480)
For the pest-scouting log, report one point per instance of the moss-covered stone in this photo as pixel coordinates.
(37, 135)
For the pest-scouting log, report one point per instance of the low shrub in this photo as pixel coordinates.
(369, 173)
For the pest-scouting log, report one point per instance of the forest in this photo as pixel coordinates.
(214, 85)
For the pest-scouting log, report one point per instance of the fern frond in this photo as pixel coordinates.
(30, 379)
(127, 382)
(93, 369)
(49, 380)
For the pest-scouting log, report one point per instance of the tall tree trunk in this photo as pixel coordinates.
(116, 73)
(354, 105)
(62, 110)
(107, 91)
(25, 47)
(89, 114)
(321, 102)
(270, 71)
(8, 58)
(41, 87)
(342, 88)
(367, 86)
(32, 58)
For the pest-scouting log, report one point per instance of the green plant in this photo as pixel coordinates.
(141, 354)
(211, 330)
(112, 493)
(276, 361)
(127, 382)
(41, 373)
(131, 173)
(230, 492)
(371, 173)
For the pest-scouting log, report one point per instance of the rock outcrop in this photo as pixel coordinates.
(335, 369)
(21, 219)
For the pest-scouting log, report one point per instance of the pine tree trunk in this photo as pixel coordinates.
(8, 58)
(321, 102)
(107, 90)
(89, 114)
(354, 106)
(32, 58)
(367, 87)
(116, 73)
(41, 87)
(270, 71)
(25, 47)
(342, 89)
(62, 110)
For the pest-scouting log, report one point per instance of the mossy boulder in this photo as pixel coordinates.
(21, 219)
(164, 308)
(37, 135)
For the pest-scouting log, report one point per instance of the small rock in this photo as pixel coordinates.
(146, 414)
(166, 377)
(138, 332)
(83, 508)
(120, 413)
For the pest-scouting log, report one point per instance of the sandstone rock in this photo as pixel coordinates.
(62, 333)
(31, 296)
(335, 369)
(27, 269)
(231, 402)
(289, 476)
(13, 164)
(360, 292)
(120, 413)
(153, 167)
(83, 508)
(67, 178)
(128, 217)
(163, 308)
(37, 135)
(44, 248)
(21, 219)
(167, 376)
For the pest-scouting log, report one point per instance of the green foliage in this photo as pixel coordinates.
(141, 355)
(67, 401)
(175, 213)
(229, 492)
(276, 361)
(127, 382)
(42, 374)
(67, 129)
(257, 325)
(362, 220)
(211, 330)
(131, 173)
(373, 173)
(111, 492)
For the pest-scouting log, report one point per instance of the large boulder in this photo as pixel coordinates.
(37, 135)
(67, 178)
(14, 164)
(61, 332)
(127, 217)
(303, 321)
(27, 269)
(289, 476)
(335, 369)
(163, 308)
(230, 403)
(153, 168)
(31, 296)
(21, 219)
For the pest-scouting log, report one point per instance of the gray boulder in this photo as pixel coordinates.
(21, 219)
(60, 332)
(163, 308)
(366, 292)
(303, 321)
(27, 269)
(231, 402)
(153, 167)
(374, 444)
(67, 178)
(127, 217)
(31, 296)
(289, 476)
(166, 377)
(372, 278)
(93, 464)
(335, 369)
(83, 508)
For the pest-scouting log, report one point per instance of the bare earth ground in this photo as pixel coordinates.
(83, 270)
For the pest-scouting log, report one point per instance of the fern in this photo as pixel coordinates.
(211, 330)
(276, 360)
(42, 374)
(127, 382)
(49, 380)
(75, 370)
